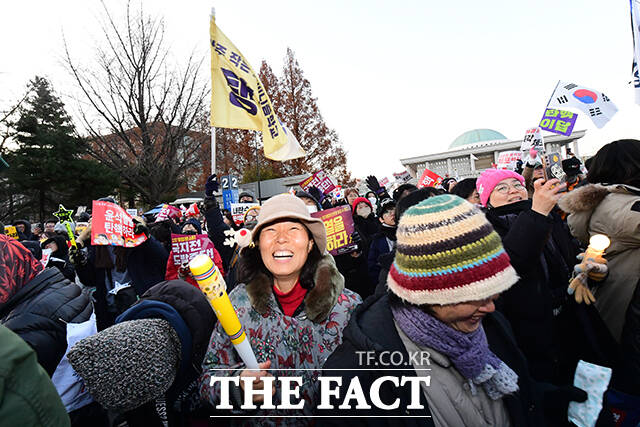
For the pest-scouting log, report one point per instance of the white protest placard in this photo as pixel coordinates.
(239, 209)
(508, 159)
(533, 139)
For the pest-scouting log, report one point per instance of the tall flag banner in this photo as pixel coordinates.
(239, 101)
(635, 32)
(592, 102)
(429, 179)
(558, 121)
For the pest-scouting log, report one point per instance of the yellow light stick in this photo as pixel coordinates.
(212, 285)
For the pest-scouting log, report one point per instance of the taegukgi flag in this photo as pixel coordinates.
(635, 32)
(239, 100)
(592, 102)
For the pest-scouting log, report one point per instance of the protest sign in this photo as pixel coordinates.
(383, 182)
(508, 159)
(239, 209)
(11, 231)
(112, 225)
(132, 212)
(320, 180)
(429, 179)
(558, 121)
(532, 139)
(46, 254)
(338, 224)
(402, 177)
(186, 247)
(167, 212)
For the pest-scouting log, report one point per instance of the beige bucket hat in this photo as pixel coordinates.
(289, 206)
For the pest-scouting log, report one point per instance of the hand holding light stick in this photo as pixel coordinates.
(212, 285)
(598, 269)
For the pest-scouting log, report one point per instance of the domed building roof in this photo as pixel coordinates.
(475, 136)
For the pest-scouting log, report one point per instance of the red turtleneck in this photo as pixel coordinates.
(291, 300)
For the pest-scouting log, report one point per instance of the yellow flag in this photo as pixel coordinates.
(239, 101)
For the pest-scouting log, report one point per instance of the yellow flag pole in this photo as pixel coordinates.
(213, 129)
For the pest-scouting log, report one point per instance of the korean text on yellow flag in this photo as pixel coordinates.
(238, 99)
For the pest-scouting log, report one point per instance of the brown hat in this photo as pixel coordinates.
(289, 206)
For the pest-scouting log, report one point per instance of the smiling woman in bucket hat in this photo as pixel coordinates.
(292, 303)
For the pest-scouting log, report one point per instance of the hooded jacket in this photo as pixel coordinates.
(190, 314)
(26, 235)
(60, 258)
(303, 340)
(372, 329)
(614, 211)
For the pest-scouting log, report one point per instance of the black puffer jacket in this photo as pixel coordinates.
(550, 328)
(39, 312)
(371, 329)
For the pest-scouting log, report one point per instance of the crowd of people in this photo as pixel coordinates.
(489, 276)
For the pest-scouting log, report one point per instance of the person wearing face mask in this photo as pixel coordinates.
(175, 270)
(546, 320)
(310, 202)
(366, 223)
(383, 242)
(371, 196)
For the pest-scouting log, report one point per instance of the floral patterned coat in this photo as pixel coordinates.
(303, 341)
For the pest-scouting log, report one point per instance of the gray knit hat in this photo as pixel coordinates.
(128, 364)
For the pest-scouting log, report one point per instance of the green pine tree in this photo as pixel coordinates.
(47, 167)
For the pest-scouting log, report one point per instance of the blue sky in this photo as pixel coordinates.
(394, 79)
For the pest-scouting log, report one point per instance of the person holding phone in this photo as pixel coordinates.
(543, 252)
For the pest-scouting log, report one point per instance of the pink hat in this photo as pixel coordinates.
(488, 180)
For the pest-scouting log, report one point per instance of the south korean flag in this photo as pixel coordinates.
(592, 102)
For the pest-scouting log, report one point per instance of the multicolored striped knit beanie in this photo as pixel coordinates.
(447, 253)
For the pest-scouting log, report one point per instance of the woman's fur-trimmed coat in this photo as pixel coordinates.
(613, 210)
(304, 340)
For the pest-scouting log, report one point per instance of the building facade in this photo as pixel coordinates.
(476, 150)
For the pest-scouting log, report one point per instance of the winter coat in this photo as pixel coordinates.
(379, 247)
(26, 235)
(304, 340)
(39, 312)
(146, 265)
(372, 329)
(367, 228)
(626, 376)
(27, 396)
(614, 211)
(543, 254)
(355, 271)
